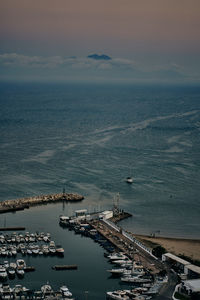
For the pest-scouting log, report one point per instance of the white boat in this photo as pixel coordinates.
(6, 292)
(20, 272)
(3, 273)
(129, 179)
(6, 264)
(117, 272)
(117, 256)
(65, 291)
(35, 249)
(46, 290)
(13, 265)
(20, 264)
(11, 272)
(122, 262)
(136, 270)
(135, 279)
(118, 295)
(18, 290)
(52, 250)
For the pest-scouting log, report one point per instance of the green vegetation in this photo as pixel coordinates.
(193, 261)
(180, 296)
(158, 251)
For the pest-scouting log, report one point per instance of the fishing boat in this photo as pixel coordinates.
(60, 250)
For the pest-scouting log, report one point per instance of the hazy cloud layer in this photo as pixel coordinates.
(58, 67)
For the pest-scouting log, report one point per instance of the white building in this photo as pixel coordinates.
(185, 266)
(105, 215)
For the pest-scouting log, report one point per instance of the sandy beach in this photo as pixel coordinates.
(187, 247)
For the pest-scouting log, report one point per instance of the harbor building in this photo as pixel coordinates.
(190, 270)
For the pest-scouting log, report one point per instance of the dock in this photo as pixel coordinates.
(24, 203)
(65, 267)
(29, 269)
(12, 228)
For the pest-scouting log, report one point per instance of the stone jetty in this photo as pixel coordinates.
(20, 204)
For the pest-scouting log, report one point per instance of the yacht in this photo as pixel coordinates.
(117, 256)
(122, 262)
(47, 290)
(117, 272)
(118, 295)
(65, 291)
(135, 279)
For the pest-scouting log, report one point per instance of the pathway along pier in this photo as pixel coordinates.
(21, 204)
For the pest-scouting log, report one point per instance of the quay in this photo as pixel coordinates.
(128, 245)
(119, 239)
(23, 203)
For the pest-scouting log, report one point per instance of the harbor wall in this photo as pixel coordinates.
(22, 203)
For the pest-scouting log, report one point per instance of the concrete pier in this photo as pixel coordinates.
(20, 204)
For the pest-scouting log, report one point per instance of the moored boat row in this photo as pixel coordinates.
(45, 292)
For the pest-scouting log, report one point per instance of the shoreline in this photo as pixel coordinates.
(23, 203)
(178, 246)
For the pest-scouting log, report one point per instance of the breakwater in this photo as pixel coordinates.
(20, 204)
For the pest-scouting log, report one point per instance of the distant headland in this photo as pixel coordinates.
(99, 57)
(20, 204)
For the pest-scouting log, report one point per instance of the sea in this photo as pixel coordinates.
(86, 139)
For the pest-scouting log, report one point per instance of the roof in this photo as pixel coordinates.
(193, 284)
(193, 268)
(81, 211)
(106, 212)
(176, 258)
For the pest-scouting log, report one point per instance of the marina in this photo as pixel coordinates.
(135, 271)
(28, 244)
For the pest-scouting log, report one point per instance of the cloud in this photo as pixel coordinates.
(84, 67)
(14, 59)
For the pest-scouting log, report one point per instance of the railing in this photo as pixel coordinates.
(130, 237)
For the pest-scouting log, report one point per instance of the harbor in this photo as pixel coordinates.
(129, 267)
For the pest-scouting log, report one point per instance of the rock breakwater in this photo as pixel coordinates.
(20, 204)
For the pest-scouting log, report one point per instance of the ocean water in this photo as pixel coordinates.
(88, 139)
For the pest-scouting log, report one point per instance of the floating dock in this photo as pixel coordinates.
(65, 267)
(12, 228)
(23, 203)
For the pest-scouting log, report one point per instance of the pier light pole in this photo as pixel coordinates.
(86, 295)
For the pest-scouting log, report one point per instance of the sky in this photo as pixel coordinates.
(147, 40)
